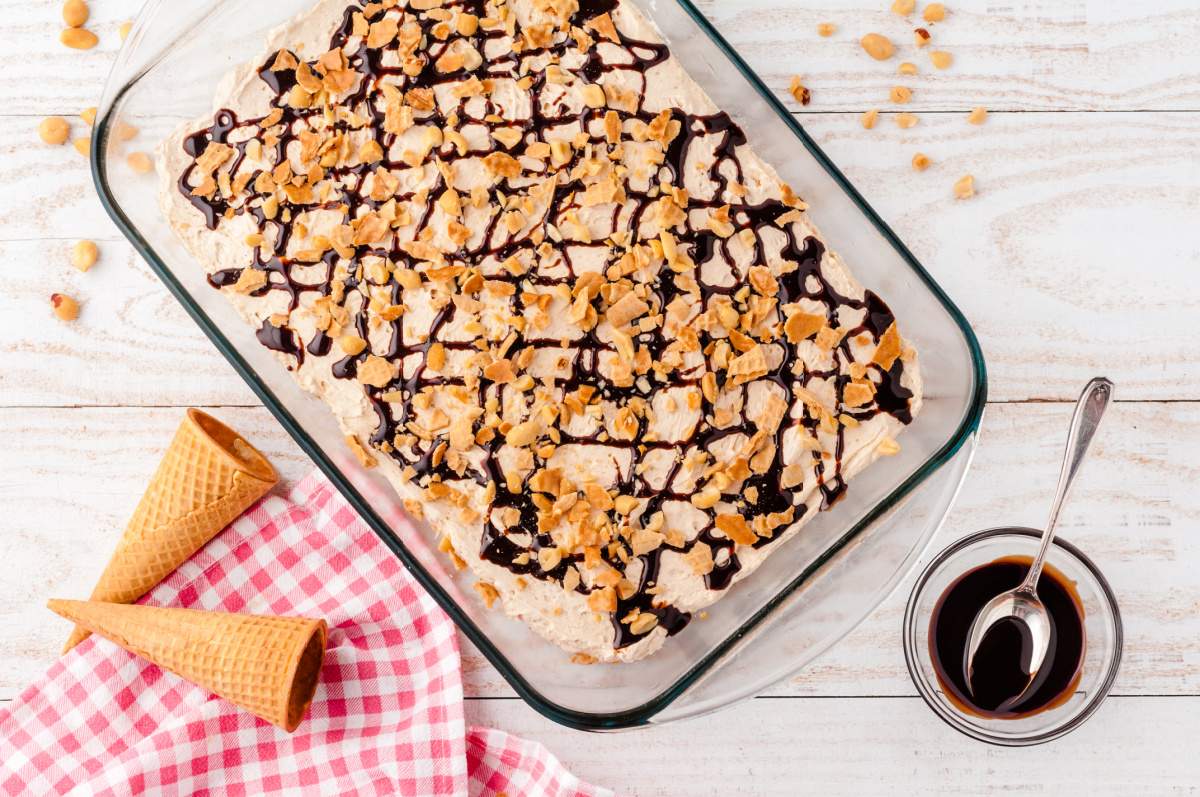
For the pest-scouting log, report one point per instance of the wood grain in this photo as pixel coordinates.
(1078, 256)
(79, 473)
(1092, 229)
(1094, 55)
(846, 746)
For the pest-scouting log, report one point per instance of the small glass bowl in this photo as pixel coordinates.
(1102, 628)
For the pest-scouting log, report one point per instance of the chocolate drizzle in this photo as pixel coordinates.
(516, 548)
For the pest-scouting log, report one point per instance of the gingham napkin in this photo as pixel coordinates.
(388, 714)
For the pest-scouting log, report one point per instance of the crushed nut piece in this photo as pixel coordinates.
(83, 146)
(907, 68)
(486, 591)
(78, 38)
(906, 120)
(964, 188)
(904, 7)
(363, 456)
(920, 161)
(878, 46)
(941, 59)
(934, 12)
(826, 29)
(54, 130)
(797, 89)
(977, 116)
(870, 118)
(84, 255)
(140, 162)
(64, 306)
(901, 94)
(75, 13)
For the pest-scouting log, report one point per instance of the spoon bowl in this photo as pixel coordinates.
(1022, 605)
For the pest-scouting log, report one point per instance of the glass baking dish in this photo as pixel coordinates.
(806, 597)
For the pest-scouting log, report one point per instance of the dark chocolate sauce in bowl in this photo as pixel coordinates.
(1002, 662)
(516, 548)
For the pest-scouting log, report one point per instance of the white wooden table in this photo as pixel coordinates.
(1080, 255)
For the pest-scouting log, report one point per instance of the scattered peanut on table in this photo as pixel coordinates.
(84, 255)
(64, 306)
(54, 130)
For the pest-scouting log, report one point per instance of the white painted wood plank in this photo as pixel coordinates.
(70, 478)
(1035, 54)
(1078, 255)
(846, 746)
(1049, 55)
(133, 344)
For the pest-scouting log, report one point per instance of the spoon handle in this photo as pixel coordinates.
(1088, 411)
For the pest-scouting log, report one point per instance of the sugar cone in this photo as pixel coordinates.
(208, 477)
(267, 665)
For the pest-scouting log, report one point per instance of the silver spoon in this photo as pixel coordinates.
(1022, 604)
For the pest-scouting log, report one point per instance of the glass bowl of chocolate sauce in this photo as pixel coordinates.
(1081, 663)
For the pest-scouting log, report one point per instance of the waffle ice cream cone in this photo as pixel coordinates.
(207, 478)
(267, 665)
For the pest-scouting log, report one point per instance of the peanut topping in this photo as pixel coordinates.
(870, 118)
(565, 339)
(826, 29)
(934, 12)
(964, 187)
(977, 116)
(920, 161)
(140, 162)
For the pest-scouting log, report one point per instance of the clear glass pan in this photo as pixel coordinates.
(806, 597)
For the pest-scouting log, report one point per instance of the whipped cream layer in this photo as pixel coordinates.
(548, 289)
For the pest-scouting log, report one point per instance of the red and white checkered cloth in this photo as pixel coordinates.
(388, 714)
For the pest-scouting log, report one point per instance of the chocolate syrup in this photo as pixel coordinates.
(516, 548)
(1002, 662)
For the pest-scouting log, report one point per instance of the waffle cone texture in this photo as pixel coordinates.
(268, 666)
(207, 478)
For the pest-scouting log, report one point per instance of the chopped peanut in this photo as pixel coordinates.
(934, 12)
(920, 161)
(826, 29)
(907, 68)
(906, 120)
(140, 162)
(54, 130)
(870, 118)
(877, 46)
(78, 38)
(64, 306)
(977, 116)
(75, 13)
(941, 59)
(83, 146)
(84, 255)
(798, 90)
(965, 187)
(901, 94)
